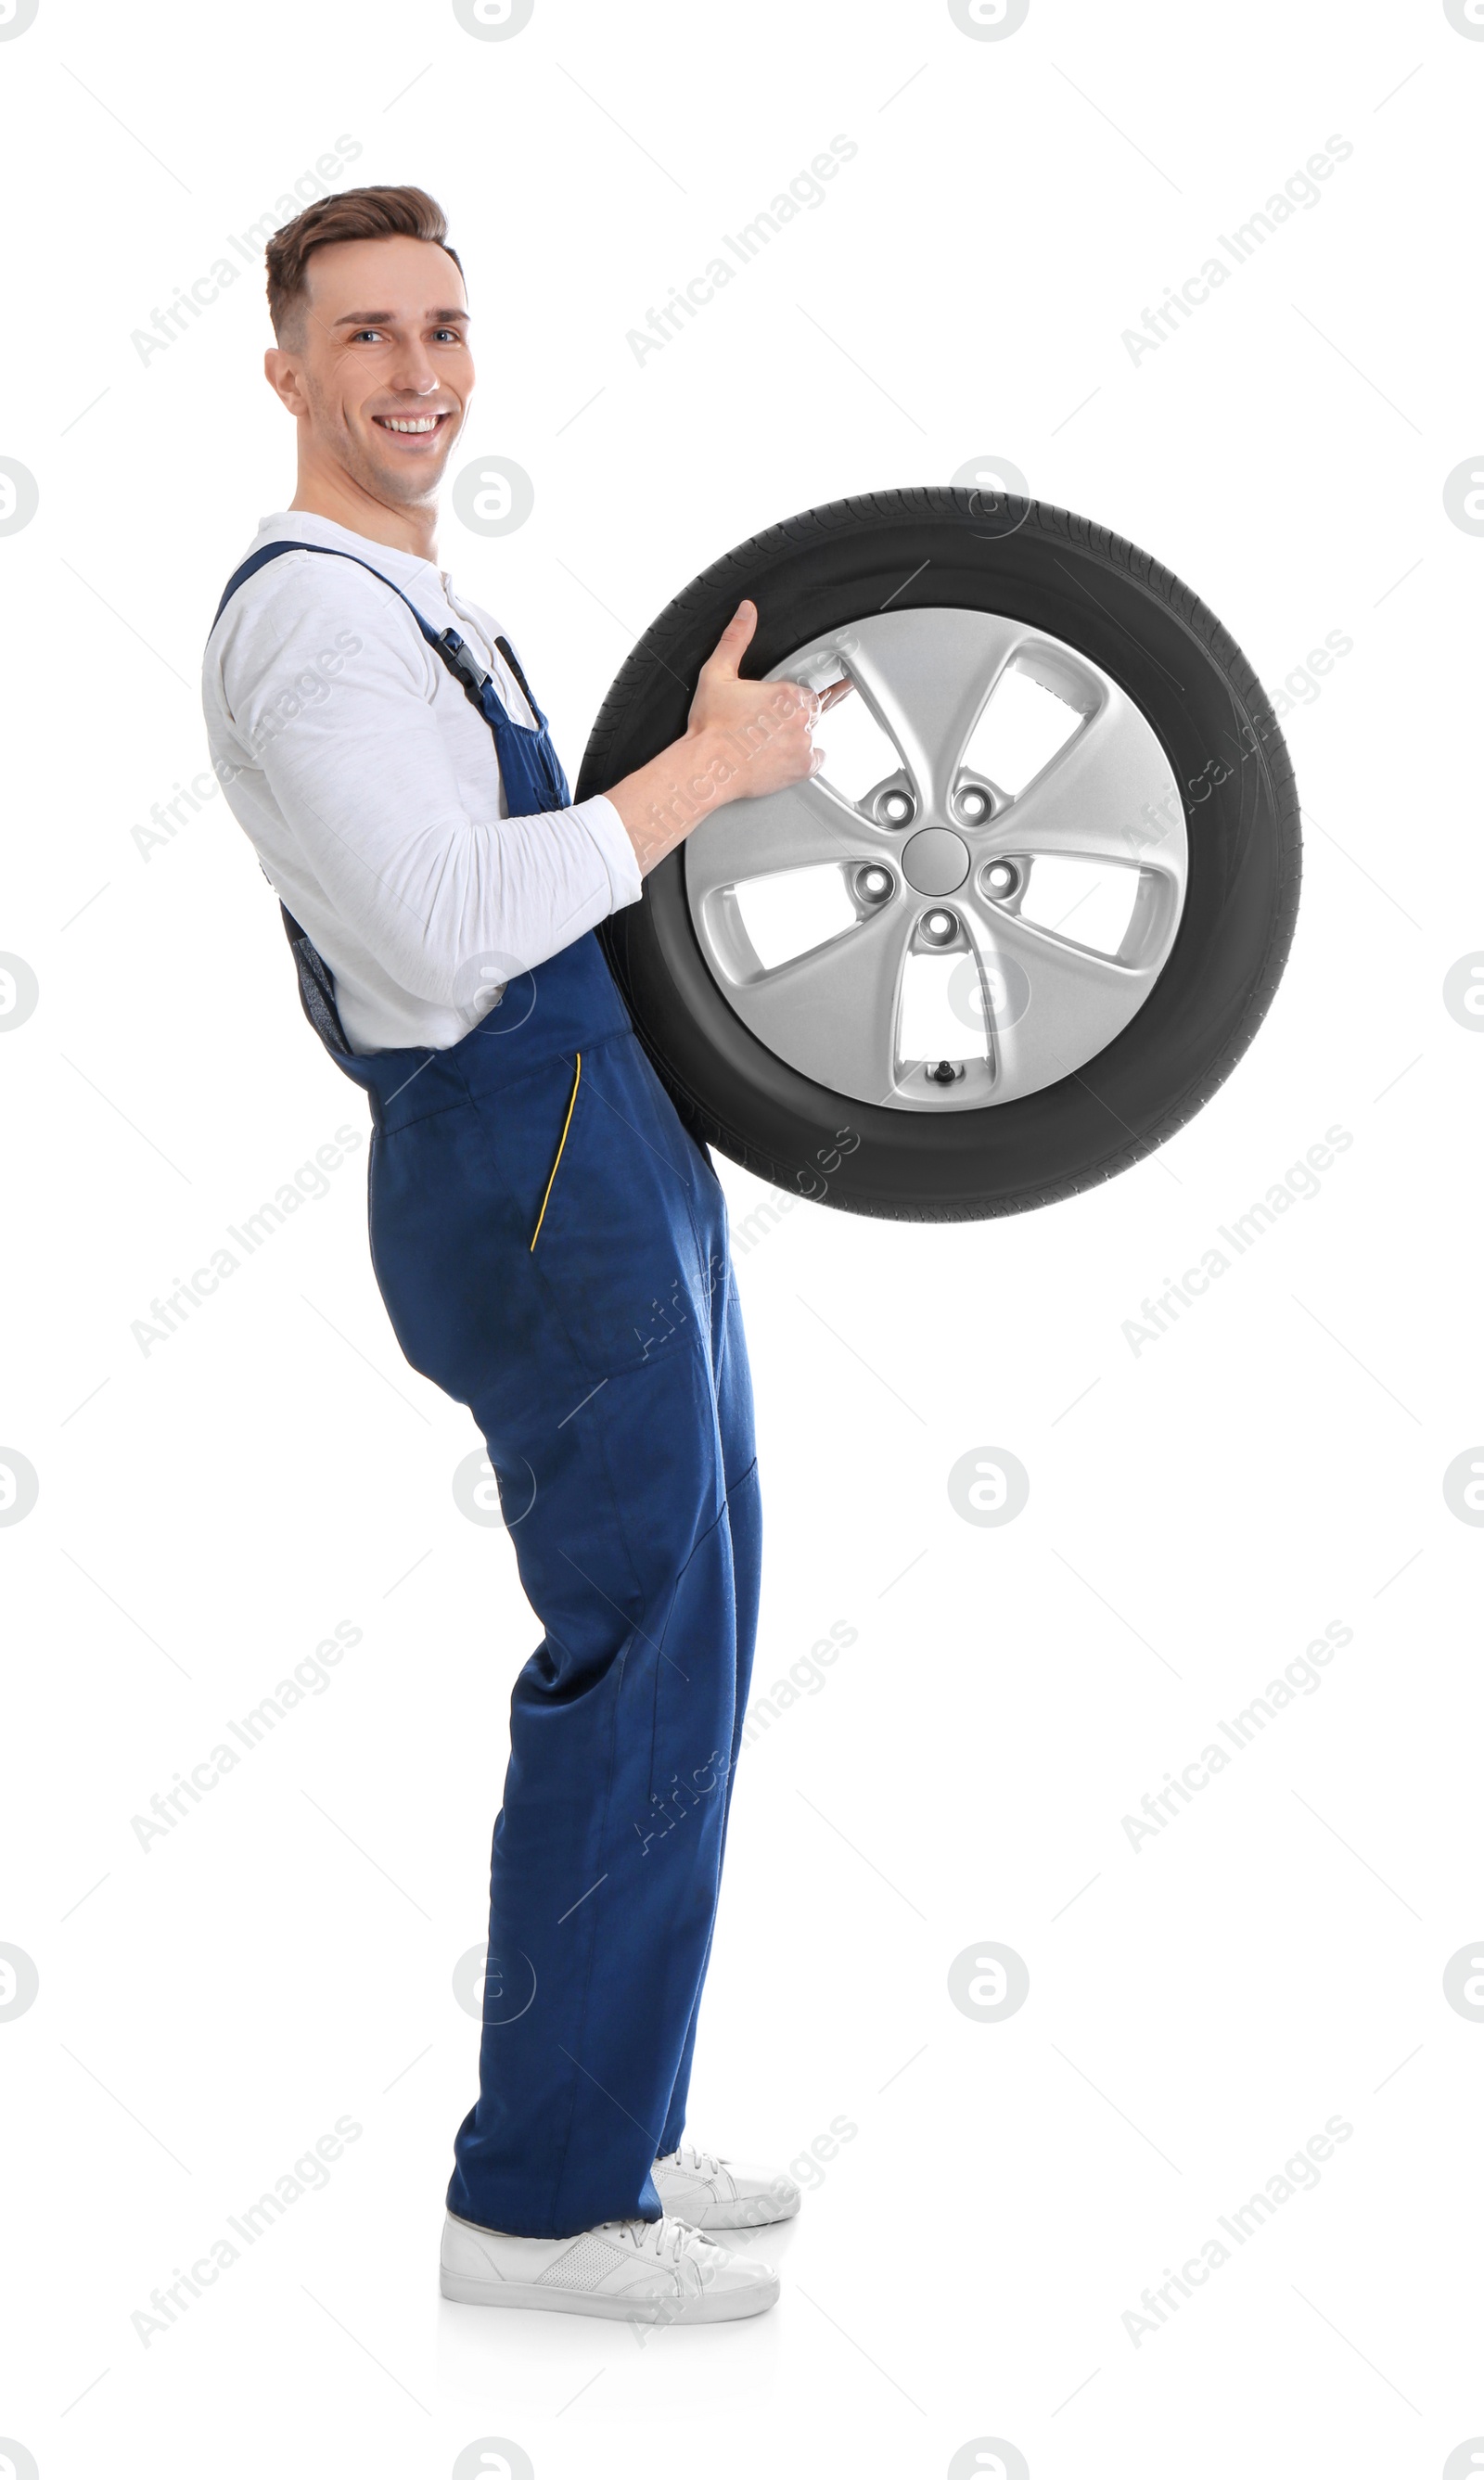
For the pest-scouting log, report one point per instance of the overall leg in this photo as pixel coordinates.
(624, 1722)
(734, 1399)
(603, 1873)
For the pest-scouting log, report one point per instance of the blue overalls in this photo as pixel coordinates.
(551, 1245)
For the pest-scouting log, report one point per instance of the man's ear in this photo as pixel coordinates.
(280, 369)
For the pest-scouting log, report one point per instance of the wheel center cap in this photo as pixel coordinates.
(935, 861)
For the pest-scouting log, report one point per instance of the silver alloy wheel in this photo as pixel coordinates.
(937, 859)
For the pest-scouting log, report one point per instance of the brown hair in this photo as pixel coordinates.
(350, 214)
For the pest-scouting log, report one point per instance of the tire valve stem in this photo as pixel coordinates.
(945, 1074)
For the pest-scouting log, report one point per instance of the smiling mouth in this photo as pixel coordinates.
(411, 426)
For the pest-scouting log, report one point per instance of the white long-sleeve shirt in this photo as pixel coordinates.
(370, 788)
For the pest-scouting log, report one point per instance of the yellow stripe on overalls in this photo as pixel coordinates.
(551, 1183)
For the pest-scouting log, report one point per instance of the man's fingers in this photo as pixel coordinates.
(732, 643)
(832, 696)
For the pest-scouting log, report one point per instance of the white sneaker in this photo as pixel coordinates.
(716, 2194)
(654, 2273)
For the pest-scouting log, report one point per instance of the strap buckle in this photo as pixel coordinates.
(462, 659)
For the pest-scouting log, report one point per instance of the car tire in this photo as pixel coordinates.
(1075, 584)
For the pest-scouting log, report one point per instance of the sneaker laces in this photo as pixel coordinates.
(689, 2156)
(667, 2240)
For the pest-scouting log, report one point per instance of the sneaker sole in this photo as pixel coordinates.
(713, 2220)
(710, 2307)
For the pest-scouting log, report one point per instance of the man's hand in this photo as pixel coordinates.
(769, 723)
(741, 738)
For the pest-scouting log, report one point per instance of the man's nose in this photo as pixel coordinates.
(414, 373)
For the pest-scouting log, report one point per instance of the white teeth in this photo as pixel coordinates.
(423, 421)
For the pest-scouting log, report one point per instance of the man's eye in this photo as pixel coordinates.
(364, 331)
(450, 333)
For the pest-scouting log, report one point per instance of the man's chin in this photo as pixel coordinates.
(406, 486)
(406, 481)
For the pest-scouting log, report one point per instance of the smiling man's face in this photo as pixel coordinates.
(376, 368)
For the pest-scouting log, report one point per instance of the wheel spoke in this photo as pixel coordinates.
(1051, 1006)
(927, 677)
(834, 1011)
(1108, 795)
(755, 838)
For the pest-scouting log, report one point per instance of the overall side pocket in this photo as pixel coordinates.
(598, 1177)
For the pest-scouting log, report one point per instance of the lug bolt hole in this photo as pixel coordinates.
(974, 805)
(897, 807)
(875, 885)
(1002, 878)
(940, 927)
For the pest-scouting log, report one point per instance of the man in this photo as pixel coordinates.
(551, 1245)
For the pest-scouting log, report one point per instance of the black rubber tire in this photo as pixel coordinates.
(1113, 603)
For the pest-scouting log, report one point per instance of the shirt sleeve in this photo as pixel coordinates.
(330, 693)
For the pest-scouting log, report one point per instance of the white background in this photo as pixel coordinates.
(1198, 1511)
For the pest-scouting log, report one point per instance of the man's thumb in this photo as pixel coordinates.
(734, 640)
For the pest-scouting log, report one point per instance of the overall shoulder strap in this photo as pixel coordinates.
(274, 550)
(446, 644)
(249, 568)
